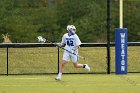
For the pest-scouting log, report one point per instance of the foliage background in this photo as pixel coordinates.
(24, 20)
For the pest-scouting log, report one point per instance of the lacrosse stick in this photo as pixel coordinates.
(43, 40)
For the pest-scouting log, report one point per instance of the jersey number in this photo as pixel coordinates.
(70, 43)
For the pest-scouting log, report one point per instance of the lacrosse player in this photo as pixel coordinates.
(72, 43)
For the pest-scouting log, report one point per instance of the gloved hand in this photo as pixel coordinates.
(59, 45)
(73, 51)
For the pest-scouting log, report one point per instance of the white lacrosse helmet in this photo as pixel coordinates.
(71, 29)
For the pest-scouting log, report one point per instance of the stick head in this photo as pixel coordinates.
(41, 39)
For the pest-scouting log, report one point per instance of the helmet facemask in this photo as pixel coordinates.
(71, 29)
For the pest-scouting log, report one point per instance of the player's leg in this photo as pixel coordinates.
(66, 58)
(78, 65)
(62, 66)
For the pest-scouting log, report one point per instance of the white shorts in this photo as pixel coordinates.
(67, 56)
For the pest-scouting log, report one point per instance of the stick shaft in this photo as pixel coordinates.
(65, 49)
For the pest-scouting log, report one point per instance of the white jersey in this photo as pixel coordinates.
(71, 41)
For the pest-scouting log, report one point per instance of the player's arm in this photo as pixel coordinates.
(63, 42)
(78, 42)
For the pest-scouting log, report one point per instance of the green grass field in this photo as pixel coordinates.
(44, 60)
(71, 83)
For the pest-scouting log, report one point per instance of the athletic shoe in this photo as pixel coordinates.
(58, 78)
(87, 67)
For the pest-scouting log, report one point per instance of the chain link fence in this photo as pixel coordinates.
(41, 60)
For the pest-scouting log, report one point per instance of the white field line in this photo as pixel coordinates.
(6, 78)
(23, 78)
(66, 85)
(20, 85)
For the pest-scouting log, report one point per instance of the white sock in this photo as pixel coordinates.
(59, 74)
